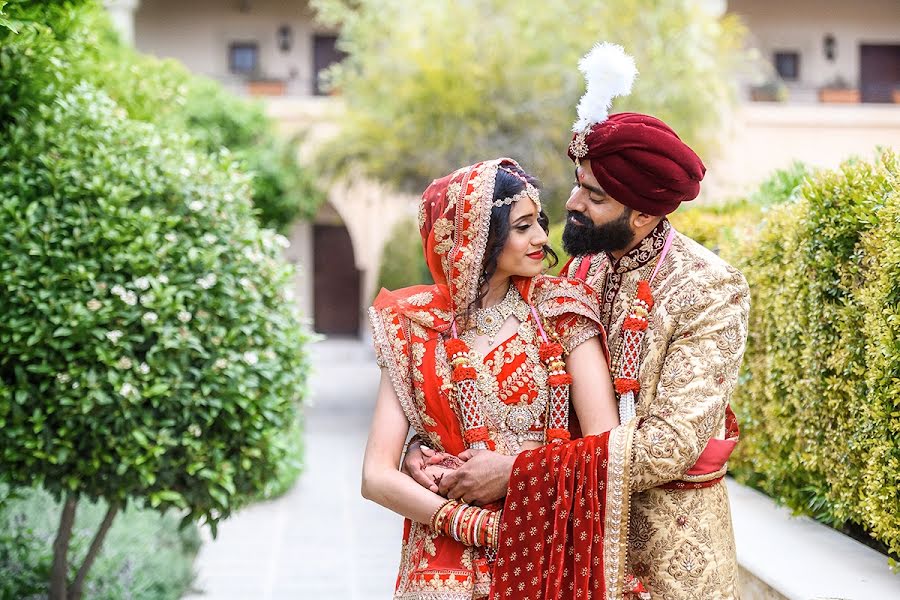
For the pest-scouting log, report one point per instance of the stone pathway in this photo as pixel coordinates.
(321, 539)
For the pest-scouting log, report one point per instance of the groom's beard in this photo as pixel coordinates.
(588, 238)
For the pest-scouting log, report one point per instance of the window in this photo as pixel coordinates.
(243, 58)
(325, 54)
(787, 64)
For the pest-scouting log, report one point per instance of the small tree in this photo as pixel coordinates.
(148, 350)
(432, 86)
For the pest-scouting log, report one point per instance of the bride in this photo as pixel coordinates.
(490, 357)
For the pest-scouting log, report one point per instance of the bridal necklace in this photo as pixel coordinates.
(489, 321)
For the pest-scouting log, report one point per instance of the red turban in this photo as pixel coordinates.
(640, 162)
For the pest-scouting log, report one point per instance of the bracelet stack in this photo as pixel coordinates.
(470, 525)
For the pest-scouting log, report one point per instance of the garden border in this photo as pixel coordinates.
(786, 557)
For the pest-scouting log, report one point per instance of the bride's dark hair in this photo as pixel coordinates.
(509, 182)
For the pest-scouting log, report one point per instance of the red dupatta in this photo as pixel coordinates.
(565, 521)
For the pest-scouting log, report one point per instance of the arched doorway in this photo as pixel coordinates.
(336, 280)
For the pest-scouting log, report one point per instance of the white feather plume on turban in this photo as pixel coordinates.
(609, 72)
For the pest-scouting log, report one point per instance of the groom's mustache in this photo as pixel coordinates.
(581, 218)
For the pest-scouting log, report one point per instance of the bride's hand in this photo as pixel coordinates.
(418, 458)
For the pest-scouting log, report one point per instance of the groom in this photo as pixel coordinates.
(676, 317)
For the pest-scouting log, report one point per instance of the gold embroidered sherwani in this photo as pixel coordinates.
(681, 543)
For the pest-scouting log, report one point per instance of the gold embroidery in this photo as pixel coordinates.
(420, 299)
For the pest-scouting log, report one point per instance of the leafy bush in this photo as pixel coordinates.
(62, 44)
(282, 190)
(146, 555)
(148, 347)
(147, 339)
(820, 390)
(402, 260)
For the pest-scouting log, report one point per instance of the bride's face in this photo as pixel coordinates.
(523, 253)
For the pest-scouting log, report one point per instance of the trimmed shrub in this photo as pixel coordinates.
(820, 389)
(149, 348)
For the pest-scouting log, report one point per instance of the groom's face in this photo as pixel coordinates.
(596, 222)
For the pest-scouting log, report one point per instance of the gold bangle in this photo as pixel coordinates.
(435, 525)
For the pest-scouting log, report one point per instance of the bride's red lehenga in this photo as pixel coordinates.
(561, 536)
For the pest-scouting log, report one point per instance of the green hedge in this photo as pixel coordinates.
(819, 397)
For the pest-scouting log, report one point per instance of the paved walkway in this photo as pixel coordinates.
(321, 539)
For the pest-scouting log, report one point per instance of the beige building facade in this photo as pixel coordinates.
(815, 45)
(274, 48)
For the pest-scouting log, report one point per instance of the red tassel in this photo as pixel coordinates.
(462, 373)
(558, 436)
(455, 346)
(643, 293)
(478, 434)
(556, 380)
(633, 324)
(624, 386)
(550, 350)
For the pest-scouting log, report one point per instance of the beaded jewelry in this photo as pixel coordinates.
(517, 418)
(633, 330)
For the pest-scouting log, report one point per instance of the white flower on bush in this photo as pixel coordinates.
(144, 368)
(184, 316)
(63, 377)
(254, 255)
(245, 283)
(94, 304)
(282, 241)
(269, 354)
(163, 279)
(128, 391)
(129, 298)
(209, 238)
(195, 430)
(142, 283)
(114, 336)
(117, 290)
(207, 281)
(151, 317)
(171, 237)
(220, 363)
(251, 358)
(196, 205)
(124, 363)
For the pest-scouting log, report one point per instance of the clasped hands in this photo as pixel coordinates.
(476, 476)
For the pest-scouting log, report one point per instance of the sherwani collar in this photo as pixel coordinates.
(644, 252)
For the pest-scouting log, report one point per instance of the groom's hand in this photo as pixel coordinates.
(482, 479)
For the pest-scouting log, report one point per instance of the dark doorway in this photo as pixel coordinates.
(879, 73)
(325, 54)
(335, 281)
